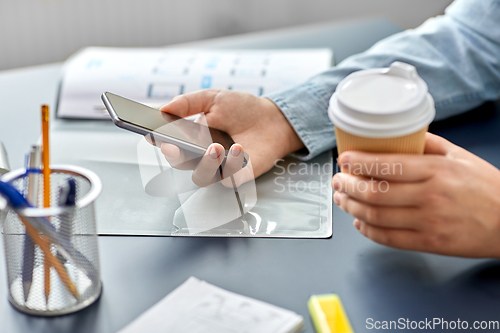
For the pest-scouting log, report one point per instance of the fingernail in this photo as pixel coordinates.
(336, 198)
(235, 152)
(344, 160)
(336, 183)
(357, 224)
(213, 153)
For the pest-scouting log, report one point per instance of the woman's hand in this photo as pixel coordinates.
(446, 201)
(256, 124)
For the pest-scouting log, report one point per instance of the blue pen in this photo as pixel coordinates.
(67, 193)
(18, 202)
(67, 199)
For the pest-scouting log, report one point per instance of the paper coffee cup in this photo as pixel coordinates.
(382, 110)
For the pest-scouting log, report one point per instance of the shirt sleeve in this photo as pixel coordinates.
(457, 54)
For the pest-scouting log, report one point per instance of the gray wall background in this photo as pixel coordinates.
(40, 31)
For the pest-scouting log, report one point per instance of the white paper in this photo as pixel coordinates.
(199, 307)
(154, 76)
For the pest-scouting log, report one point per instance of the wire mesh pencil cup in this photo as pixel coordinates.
(76, 223)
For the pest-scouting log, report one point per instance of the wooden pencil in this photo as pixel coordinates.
(52, 261)
(46, 186)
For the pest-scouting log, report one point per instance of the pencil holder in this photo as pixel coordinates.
(31, 289)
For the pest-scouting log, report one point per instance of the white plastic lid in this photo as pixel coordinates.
(382, 102)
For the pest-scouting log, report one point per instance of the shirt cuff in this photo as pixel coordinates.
(306, 108)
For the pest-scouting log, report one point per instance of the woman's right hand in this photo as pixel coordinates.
(256, 124)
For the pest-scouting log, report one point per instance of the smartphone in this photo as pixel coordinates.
(164, 127)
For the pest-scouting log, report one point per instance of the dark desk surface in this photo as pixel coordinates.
(373, 281)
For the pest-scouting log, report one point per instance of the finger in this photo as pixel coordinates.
(178, 158)
(378, 192)
(398, 167)
(150, 139)
(234, 161)
(399, 238)
(192, 103)
(207, 171)
(437, 145)
(234, 173)
(239, 178)
(381, 216)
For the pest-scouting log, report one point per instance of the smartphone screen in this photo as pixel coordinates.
(153, 120)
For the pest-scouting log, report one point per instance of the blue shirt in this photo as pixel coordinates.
(457, 54)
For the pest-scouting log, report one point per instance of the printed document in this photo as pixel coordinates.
(153, 76)
(199, 307)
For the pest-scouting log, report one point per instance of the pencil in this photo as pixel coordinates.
(52, 261)
(46, 186)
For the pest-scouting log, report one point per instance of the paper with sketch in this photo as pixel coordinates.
(199, 307)
(153, 76)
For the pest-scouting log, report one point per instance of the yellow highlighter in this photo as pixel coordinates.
(328, 314)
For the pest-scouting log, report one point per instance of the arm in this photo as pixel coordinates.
(457, 54)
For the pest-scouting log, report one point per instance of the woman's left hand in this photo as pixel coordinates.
(446, 201)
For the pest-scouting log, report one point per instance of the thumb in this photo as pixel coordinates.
(192, 103)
